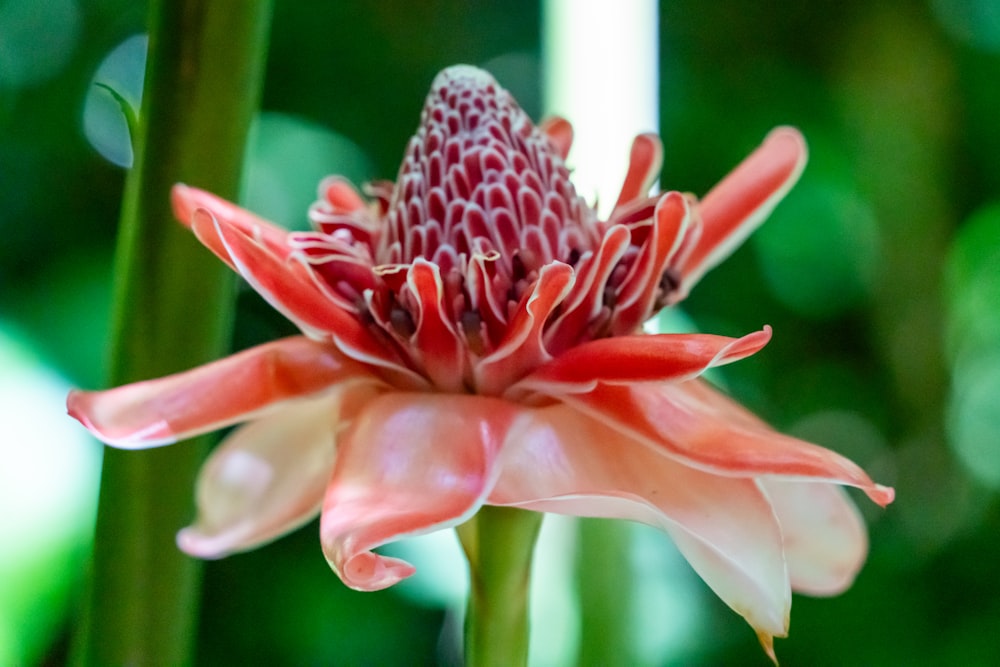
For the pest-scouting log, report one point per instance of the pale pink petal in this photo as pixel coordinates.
(409, 464)
(699, 426)
(265, 479)
(742, 200)
(824, 535)
(559, 460)
(641, 358)
(207, 398)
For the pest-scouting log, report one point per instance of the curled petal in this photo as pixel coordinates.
(559, 460)
(435, 337)
(642, 358)
(409, 464)
(644, 163)
(522, 347)
(187, 200)
(584, 303)
(639, 290)
(231, 390)
(291, 293)
(742, 200)
(824, 535)
(264, 480)
(290, 289)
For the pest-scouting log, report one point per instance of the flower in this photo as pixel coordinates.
(473, 335)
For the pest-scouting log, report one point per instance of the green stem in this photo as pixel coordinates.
(498, 542)
(172, 312)
(603, 581)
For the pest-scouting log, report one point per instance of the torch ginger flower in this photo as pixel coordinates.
(473, 336)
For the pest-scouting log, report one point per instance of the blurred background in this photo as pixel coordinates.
(880, 274)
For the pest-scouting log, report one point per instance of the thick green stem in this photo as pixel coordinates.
(603, 581)
(172, 312)
(499, 543)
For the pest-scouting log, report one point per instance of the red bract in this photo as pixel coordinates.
(472, 335)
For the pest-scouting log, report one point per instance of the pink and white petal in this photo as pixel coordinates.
(264, 480)
(290, 288)
(210, 397)
(186, 200)
(824, 535)
(409, 464)
(638, 291)
(290, 292)
(522, 346)
(586, 299)
(735, 207)
(559, 460)
(641, 358)
(644, 162)
(441, 350)
(702, 427)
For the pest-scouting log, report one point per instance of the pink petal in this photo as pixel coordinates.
(644, 163)
(231, 390)
(641, 358)
(289, 291)
(441, 350)
(522, 347)
(638, 291)
(340, 195)
(585, 301)
(560, 133)
(187, 200)
(290, 288)
(408, 465)
(265, 479)
(559, 460)
(742, 200)
(701, 427)
(824, 535)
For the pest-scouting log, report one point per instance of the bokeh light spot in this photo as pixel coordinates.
(974, 418)
(818, 252)
(288, 156)
(48, 499)
(104, 124)
(973, 22)
(973, 286)
(37, 39)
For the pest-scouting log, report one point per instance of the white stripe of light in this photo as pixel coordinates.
(599, 60)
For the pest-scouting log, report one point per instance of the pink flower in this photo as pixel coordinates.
(473, 336)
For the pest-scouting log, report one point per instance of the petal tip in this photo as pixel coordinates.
(195, 543)
(882, 495)
(368, 571)
(182, 201)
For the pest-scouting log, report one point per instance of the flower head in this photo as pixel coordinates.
(472, 334)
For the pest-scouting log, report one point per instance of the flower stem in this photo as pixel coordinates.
(499, 543)
(172, 311)
(603, 581)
